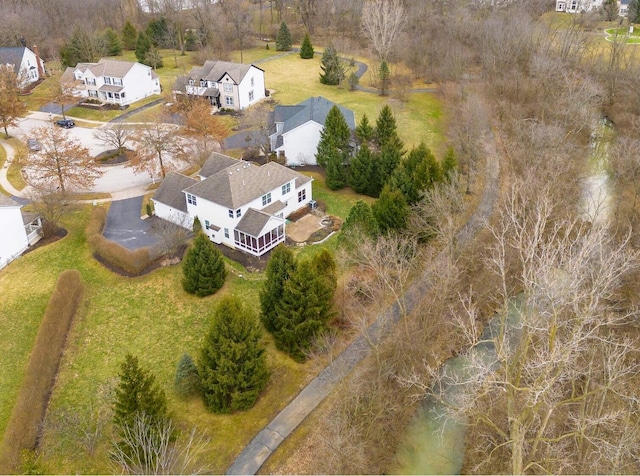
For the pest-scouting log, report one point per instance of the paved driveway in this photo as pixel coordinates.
(124, 225)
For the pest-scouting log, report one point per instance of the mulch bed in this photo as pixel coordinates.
(57, 235)
(114, 159)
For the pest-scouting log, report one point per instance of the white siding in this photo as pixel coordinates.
(300, 144)
(244, 88)
(13, 239)
(171, 214)
(139, 83)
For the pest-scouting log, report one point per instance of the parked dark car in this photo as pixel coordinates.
(66, 123)
(33, 145)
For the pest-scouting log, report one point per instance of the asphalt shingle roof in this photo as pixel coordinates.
(12, 55)
(7, 201)
(170, 191)
(243, 182)
(215, 163)
(253, 222)
(214, 71)
(313, 109)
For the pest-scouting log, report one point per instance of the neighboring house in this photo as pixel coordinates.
(224, 84)
(24, 62)
(112, 81)
(239, 204)
(295, 130)
(583, 6)
(19, 230)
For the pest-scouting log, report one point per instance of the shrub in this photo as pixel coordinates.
(31, 404)
(187, 381)
(203, 268)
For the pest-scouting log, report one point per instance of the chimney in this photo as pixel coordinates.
(38, 62)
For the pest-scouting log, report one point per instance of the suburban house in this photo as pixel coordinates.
(112, 81)
(24, 62)
(239, 204)
(583, 6)
(224, 84)
(295, 130)
(19, 230)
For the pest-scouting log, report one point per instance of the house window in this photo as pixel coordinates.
(117, 81)
(191, 82)
(302, 195)
(228, 87)
(122, 95)
(238, 213)
(228, 100)
(191, 199)
(226, 232)
(107, 80)
(266, 199)
(253, 82)
(250, 95)
(230, 213)
(286, 188)
(91, 81)
(207, 224)
(92, 93)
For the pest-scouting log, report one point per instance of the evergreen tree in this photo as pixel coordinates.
(233, 367)
(353, 81)
(129, 36)
(112, 41)
(158, 33)
(190, 41)
(325, 267)
(391, 210)
(303, 312)
(137, 393)
(336, 176)
(334, 138)
(364, 130)
(449, 164)
(187, 380)
(203, 268)
(362, 171)
(418, 172)
(197, 225)
(306, 49)
(386, 130)
(359, 222)
(280, 267)
(331, 67)
(385, 75)
(143, 45)
(389, 158)
(283, 38)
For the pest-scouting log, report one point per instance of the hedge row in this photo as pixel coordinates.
(133, 262)
(29, 411)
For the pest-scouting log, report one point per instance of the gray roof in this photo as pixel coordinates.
(170, 191)
(215, 163)
(313, 109)
(273, 207)
(110, 88)
(12, 55)
(8, 201)
(243, 182)
(214, 71)
(28, 218)
(253, 222)
(107, 67)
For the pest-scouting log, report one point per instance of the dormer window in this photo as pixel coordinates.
(203, 83)
(191, 82)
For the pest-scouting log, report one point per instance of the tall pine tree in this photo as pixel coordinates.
(384, 73)
(362, 172)
(449, 164)
(283, 38)
(331, 67)
(360, 222)
(303, 312)
(143, 45)
(386, 130)
(364, 130)
(203, 268)
(232, 366)
(137, 393)
(129, 36)
(280, 267)
(391, 210)
(306, 49)
(334, 137)
(112, 41)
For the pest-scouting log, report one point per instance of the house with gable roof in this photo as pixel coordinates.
(24, 62)
(583, 6)
(112, 81)
(295, 130)
(224, 84)
(239, 204)
(19, 230)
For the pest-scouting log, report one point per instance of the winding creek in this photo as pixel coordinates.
(434, 441)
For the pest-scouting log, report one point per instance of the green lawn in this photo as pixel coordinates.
(150, 316)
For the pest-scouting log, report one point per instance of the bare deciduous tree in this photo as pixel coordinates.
(382, 22)
(11, 107)
(157, 149)
(205, 129)
(116, 136)
(62, 164)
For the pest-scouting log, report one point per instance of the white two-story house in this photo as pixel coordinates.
(584, 6)
(19, 230)
(295, 130)
(238, 203)
(24, 62)
(224, 84)
(112, 81)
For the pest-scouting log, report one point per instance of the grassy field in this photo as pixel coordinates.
(149, 316)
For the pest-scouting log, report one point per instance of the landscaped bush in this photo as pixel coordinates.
(132, 262)
(31, 404)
